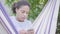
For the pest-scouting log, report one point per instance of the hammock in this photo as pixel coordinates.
(45, 23)
(6, 22)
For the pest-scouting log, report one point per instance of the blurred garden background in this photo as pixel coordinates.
(36, 7)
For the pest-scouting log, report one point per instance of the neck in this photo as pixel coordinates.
(19, 20)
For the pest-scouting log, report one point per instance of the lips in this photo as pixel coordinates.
(23, 17)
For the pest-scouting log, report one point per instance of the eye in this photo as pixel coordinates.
(22, 11)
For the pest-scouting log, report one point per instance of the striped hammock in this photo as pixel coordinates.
(45, 23)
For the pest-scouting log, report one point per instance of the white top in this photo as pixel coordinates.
(21, 25)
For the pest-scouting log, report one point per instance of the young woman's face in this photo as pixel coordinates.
(22, 13)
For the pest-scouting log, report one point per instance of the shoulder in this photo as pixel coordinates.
(11, 17)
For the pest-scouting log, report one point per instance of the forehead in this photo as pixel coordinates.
(25, 7)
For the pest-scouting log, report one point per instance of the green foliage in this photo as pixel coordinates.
(58, 24)
(10, 2)
(36, 7)
(59, 15)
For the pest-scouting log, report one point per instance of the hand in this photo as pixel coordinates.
(31, 31)
(22, 32)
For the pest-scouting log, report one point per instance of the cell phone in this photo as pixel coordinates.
(30, 30)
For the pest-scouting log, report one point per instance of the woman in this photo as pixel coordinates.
(21, 9)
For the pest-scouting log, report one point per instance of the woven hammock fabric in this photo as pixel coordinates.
(45, 23)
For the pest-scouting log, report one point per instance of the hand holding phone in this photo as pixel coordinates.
(30, 31)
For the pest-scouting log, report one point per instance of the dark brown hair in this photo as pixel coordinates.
(18, 5)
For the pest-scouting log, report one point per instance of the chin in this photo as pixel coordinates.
(21, 19)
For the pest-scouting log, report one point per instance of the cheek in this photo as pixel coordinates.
(19, 13)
